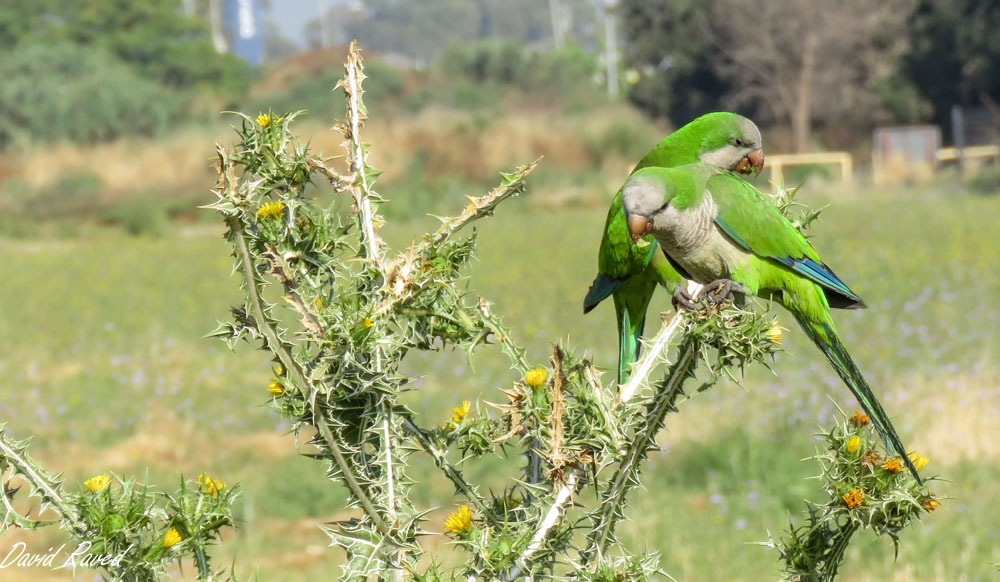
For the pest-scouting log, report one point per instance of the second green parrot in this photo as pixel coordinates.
(630, 273)
(719, 230)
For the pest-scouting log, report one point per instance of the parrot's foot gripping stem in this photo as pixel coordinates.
(722, 290)
(715, 293)
(681, 298)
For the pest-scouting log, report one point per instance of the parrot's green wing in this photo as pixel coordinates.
(753, 222)
(618, 259)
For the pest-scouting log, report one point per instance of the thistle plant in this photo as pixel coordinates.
(339, 312)
(866, 488)
(349, 311)
(119, 525)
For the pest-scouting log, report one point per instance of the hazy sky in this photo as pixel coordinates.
(291, 16)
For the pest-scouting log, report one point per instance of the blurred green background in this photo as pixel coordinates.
(111, 277)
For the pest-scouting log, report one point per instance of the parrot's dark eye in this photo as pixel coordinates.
(737, 142)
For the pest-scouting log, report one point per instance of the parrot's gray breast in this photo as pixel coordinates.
(692, 238)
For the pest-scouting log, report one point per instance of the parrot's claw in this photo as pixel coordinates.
(682, 298)
(721, 290)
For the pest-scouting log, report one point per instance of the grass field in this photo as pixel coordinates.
(105, 364)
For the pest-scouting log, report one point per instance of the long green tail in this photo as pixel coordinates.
(826, 339)
(629, 332)
(631, 302)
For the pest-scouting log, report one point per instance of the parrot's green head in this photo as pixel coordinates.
(727, 140)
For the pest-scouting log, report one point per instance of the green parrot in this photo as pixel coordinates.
(719, 230)
(630, 273)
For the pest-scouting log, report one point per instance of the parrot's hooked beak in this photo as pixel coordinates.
(752, 162)
(638, 226)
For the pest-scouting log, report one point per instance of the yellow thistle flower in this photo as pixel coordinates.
(458, 414)
(171, 538)
(319, 303)
(871, 458)
(774, 334)
(97, 483)
(919, 461)
(211, 486)
(535, 377)
(270, 210)
(460, 521)
(859, 419)
(892, 465)
(264, 119)
(275, 388)
(279, 370)
(930, 504)
(853, 444)
(367, 323)
(853, 498)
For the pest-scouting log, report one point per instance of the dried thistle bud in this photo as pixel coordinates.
(893, 465)
(871, 458)
(853, 498)
(859, 419)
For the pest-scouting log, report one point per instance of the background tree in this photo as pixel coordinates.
(155, 37)
(803, 62)
(954, 54)
(121, 68)
(667, 45)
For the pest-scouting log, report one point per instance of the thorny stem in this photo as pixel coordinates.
(362, 195)
(345, 469)
(553, 514)
(502, 334)
(273, 341)
(388, 466)
(620, 483)
(477, 208)
(19, 460)
(278, 347)
(641, 372)
(565, 493)
(449, 471)
(837, 556)
(484, 205)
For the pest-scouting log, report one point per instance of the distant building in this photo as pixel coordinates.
(902, 154)
(241, 26)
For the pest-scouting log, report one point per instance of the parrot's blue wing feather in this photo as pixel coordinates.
(602, 288)
(791, 249)
(821, 274)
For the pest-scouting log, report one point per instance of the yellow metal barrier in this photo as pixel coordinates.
(952, 154)
(777, 162)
